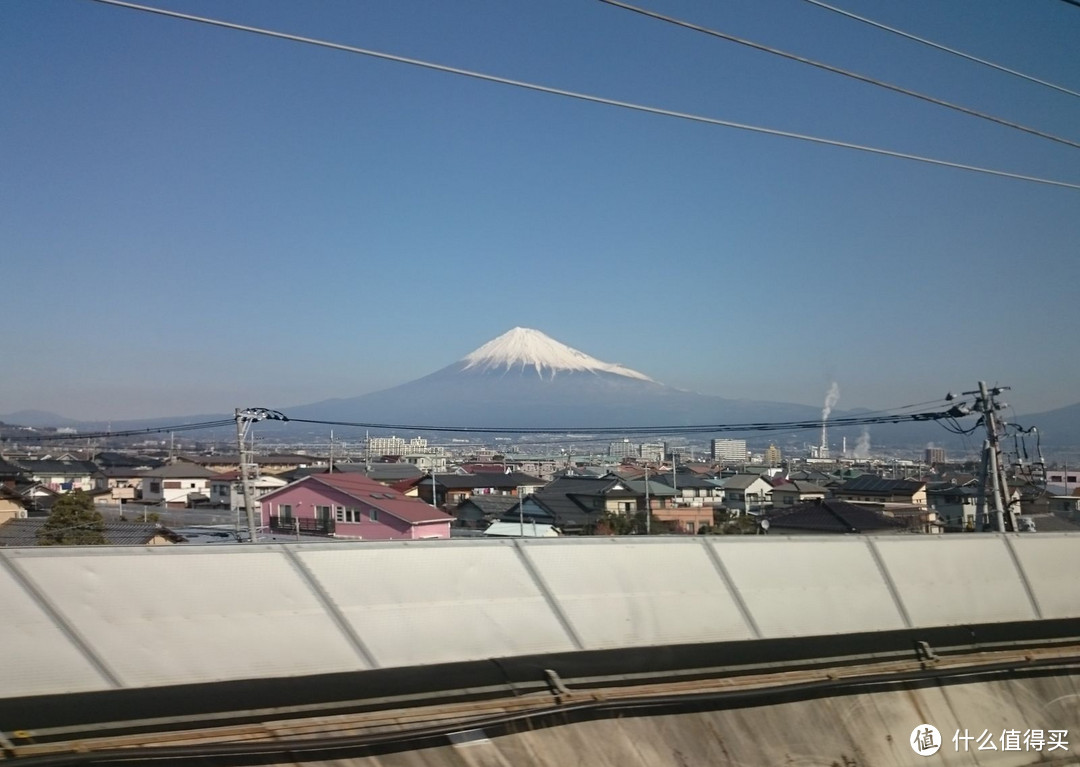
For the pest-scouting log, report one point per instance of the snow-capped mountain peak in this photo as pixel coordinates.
(524, 348)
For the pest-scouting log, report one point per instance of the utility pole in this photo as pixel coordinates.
(993, 475)
(244, 419)
(648, 508)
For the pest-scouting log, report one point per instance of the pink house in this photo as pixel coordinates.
(351, 506)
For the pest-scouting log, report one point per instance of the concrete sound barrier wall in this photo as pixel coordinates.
(99, 618)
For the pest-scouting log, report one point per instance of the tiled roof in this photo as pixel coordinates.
(741, 481)
(381, 497)
(180, 470)
(868, 483)
(9, 469)
(656, 489)
(383, 472)
(799, 486)
(74, 468)
(684, 480)
(832, 516)
(492, 504)
(509, 481)
(23, 532)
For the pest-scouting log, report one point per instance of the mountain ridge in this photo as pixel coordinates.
(526, 379)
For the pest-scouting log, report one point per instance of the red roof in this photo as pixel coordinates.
(381, 497)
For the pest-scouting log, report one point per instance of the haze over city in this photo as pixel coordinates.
(198, 218)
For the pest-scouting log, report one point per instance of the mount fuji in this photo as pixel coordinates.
(528, 379)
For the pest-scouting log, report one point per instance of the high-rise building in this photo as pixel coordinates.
(772, 455)
(652, 451)
(729, 449)
(935, 455)
(624, 449)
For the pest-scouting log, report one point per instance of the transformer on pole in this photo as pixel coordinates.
(244, 419)
(992, 475)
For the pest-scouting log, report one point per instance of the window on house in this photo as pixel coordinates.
(172, 484)
(373, 515)
(322, 512)
(284, 510)
(155, 487)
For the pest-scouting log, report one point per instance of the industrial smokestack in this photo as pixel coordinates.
(831, 398)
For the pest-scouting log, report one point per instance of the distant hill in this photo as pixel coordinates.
(38, 419)
(527, 379)
(1057, 428)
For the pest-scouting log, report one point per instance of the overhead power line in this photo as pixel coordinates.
(125, 432)
(839, 71)
(593, 99)
(653, 430)
(815, 423)
(947, 49)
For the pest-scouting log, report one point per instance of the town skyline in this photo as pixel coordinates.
(199, 219)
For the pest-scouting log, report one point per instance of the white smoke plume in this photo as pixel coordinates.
(832, 396)
(862, 447)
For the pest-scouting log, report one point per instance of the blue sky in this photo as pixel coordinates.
(195, 219)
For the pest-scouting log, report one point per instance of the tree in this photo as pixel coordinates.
(73, 521)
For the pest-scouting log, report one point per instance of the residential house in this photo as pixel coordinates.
(873, 489)
(227, 489)
(347, 505)
(747, 493)
(479, 511)
(65, 475)
(123, 476)
(12, 504)
(122, 485)
(693, 489)
(37, 499)
(795, 492)
(277, 463)
(23, 533)
(10, 474)
(389, 473)
(178, 484)
(830, 516)
(956, 506)
(451, 490)
(542, 467)
(574, 504)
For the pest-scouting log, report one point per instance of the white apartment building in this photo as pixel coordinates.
(379, 446)
(729, 450)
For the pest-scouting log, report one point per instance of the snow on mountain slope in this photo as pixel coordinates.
(524, 348)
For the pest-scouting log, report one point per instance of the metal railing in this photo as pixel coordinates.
(304, 525)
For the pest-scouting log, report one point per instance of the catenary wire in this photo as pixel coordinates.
(945, 48)
(596, 99)
(125, 432)
(645, 430)
(839, 71)
(589, 432)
